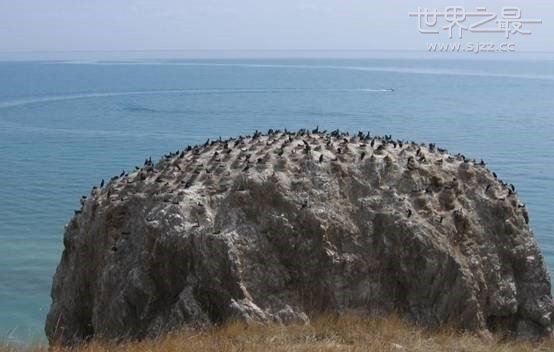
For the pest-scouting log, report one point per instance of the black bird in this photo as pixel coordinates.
(440, 220)
(409, 212)
(102, 183)
(494, 175)
(207, 142)
(122, 173)
(512, 187)
(281, 151)
(488, 187)
(362, 156)
(246, 168)
(316, 130)
(372, 143)
(321, 158)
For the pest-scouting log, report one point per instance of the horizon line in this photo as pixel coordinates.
(239, 50)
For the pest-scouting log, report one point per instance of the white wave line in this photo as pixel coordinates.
(390, 69)
(46, 99)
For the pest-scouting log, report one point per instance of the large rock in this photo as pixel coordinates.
(282, 227)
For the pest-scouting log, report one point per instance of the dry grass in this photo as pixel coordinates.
(324, 334)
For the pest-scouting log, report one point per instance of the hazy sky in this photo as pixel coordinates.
(52, 25)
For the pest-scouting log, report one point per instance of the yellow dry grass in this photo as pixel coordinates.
(344, 333)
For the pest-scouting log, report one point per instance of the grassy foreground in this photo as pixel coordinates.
(324, 334)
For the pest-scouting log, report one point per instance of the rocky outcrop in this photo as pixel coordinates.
(284, 226)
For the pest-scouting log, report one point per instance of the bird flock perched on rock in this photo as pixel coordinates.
(198, 165)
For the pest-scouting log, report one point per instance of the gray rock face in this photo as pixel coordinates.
(282, 227)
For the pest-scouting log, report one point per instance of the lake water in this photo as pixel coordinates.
(66, 125)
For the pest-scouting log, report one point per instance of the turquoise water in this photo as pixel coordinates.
(66, 125)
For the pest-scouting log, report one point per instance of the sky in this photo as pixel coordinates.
(118, 25)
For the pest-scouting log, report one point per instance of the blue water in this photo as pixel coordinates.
(66, 125)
